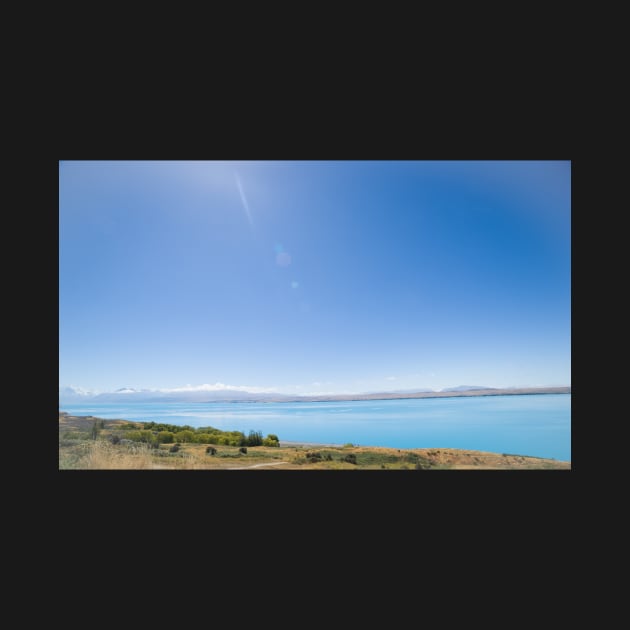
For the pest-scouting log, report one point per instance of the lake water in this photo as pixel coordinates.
(537, 425)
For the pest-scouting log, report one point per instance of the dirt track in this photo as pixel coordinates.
(256, 466)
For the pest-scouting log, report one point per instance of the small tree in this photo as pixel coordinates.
(255, 438)
(271, 440)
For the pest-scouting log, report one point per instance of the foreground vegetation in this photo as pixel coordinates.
(93, 443)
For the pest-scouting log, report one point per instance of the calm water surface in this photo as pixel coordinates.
(537, 425)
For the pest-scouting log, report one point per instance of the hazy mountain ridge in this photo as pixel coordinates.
(74, 395)
(466, 388)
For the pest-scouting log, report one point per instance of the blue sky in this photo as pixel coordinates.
(314, 277)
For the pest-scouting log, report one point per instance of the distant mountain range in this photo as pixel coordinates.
(73, 395)
(128, 394)
(466, 388)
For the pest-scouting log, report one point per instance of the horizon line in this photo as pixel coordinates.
(220, 387)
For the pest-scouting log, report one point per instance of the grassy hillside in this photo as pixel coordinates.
(86, 442)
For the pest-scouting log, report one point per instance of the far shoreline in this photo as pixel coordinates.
(279, 398)
(378, 397)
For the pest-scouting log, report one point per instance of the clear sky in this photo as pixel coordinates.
(314, 277)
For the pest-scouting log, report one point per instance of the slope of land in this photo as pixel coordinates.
(81, 447)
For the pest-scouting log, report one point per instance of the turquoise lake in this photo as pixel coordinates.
(536, 425)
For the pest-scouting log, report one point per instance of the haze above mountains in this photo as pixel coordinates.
(125, 395)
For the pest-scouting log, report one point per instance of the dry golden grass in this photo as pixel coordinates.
(102, 455)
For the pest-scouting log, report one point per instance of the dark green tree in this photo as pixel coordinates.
(255, 439)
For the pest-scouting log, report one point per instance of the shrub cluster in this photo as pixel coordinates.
(155, 433)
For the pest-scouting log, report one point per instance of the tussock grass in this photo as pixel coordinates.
(105, 456)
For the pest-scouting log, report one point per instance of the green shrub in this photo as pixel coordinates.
(271, 440)
(211, 450)
(203, 438)
(166, 437)
(351, 458)
(373, 459)
(243, 450)
(174, 448)
(185, 436)
(76, 435)
(140, 436)
(314, 457)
